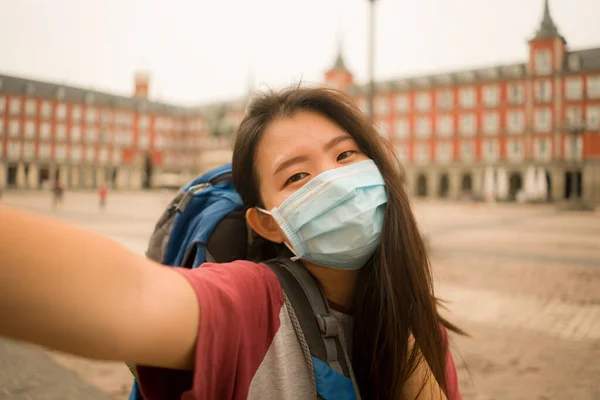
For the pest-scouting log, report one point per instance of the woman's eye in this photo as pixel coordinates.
(295, 178)
(345, 154)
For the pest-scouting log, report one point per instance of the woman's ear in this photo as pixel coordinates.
(264, 225)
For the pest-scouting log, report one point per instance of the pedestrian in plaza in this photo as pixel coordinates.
(318, 185)
(102, 193)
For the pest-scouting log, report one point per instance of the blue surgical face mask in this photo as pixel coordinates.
(335, 220)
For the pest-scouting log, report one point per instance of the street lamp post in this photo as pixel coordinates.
(371, 60)
(575, 131)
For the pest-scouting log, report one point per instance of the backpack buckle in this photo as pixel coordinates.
(193, 190)
(328, 325)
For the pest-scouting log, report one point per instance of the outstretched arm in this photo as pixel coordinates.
(79, 292)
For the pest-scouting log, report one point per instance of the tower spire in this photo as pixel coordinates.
(340, 64)
(547, 29)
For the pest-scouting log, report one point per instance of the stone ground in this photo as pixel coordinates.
(523, 281)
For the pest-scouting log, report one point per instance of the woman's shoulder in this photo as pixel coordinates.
(239, 280)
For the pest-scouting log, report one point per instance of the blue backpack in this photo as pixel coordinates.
(205, 222)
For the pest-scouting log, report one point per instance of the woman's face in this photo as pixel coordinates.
(294, 150)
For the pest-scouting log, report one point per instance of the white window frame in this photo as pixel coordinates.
(422, 153)
(468, 124)
(382, 105)
(444, 99)
(443, 152)
(592, 117)
(513, 127)
(574, 88)
(45, 130)
(491, 122)
(423, 101)
(467, 97)
(90, 153)
(402, 128)
(494, 146)
(423, 127)
(29, 151)
(60, 132)
(29, 129)
(445, 125)
(30, 107)
(60, 152)
(542, 119)
(401, 104)
(515, 93)
(76, 153)
(15, 106)
(14, 127)
(543, 91)
(539, 153)
(44, 151)
(593, 87)
(61, 111)
(491, 95)
(467, 150)
(512, 145)
(543, 62)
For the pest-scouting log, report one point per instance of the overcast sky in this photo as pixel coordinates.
(200, 50)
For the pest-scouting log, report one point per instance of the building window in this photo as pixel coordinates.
(60, 132)
(543, 91)
(574, 88)
(423, 101)
(116, 157)
(144, 142)
(91, 115)
(89, 154)
(29, 151)
(573, 152)
(402, 105)
(382, 127)
(468, 124)
(402, 153)
(14, 127)
(490, 150)
(15, 106)
(467, 150)
(44, 151)
(515, 150)
(543, 62)
(542, 120)
(516, 93)
(593, 87)
(491, 123)
(29, 129)
(402, 128)
(422, 156)
(76, 153)
(491, 95)
(46, 109)
(2, 104)
(574, 116)
(14, 150)
(60, 152)
(592, 117)
(106, 117)
(45, 131)
(423, 127)
(542, 149)
(75, 133)
(144, 122)
(91, 135)
(30, 107)
(444, 100)
(75, 113)
(515, 121)
(382, 106)
(467, 98)
(574, 62)
(103, 155)
(61, 111)
(445, 125)
(443, 152)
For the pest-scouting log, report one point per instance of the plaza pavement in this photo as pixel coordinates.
(523, 281)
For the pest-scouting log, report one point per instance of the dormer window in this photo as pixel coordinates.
(574, 62)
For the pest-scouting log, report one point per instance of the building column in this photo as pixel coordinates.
(454, 180)
(74, 176)
(3, 175)
(21, 178)
(135, 181)
(33, 176)
(100, 177)
(477, 182)
(557, 178)
(122, 177)
(87, 176)
(433, 183)
(590, 182)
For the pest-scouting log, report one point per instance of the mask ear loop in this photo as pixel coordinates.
(295, 257)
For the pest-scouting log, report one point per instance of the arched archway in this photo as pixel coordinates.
(466, 182)
(421, 185)
(444, 188)
(515, 184)
(148, 169)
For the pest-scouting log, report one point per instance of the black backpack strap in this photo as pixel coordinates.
(321, 329)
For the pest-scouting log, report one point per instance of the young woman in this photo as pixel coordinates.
(316, 178)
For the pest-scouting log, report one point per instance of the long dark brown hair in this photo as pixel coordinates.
(394, 296)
